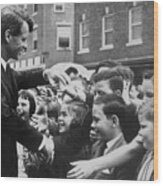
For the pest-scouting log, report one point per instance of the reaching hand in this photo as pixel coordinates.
(125, 93)
(48, 149)
(82, 169)
(41, 123)
(52, 73)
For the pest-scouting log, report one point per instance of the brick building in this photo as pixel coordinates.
(120, 31)
(52, 39)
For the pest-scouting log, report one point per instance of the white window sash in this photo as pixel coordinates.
(104, 31)
(131, 25)
(81, 37)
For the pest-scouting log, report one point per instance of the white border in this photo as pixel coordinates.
(56, 182)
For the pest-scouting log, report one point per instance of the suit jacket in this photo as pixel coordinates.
(124, 172)
(145, 171)
(12, 127)
(67, 149)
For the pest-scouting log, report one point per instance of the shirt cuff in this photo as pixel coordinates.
(42, 143)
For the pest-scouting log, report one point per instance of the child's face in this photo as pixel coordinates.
(64, 119)
(23, 108)
(148, 90)
(146, 132)
(102, 126)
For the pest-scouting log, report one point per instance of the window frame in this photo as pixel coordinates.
(68, 25)
(81, 49)
(35, 29)
(35, 12)
(59, 11)
(104, 31)
(132, 41)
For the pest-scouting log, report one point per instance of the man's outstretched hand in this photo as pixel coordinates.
(53, 72)
(81, 170)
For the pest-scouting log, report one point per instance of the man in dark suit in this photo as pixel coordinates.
(15, 27)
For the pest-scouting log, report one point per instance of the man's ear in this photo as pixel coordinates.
(118, 92)
(115, 120)
(8, 35)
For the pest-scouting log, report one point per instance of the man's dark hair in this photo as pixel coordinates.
(25, 94)
(125, 72)
(115, 81)
(113, 105)
(148, 74)
(12, 18)
(106, 63)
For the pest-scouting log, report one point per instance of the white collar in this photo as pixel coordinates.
(112, 142)
(4, 63)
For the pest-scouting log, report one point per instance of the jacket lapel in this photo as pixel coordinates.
(8, 87)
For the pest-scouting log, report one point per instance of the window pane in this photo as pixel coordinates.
(85, 30)
(17, 64)
(23, 63)
(59, 7)
(108, 23)
(30, 62)
(85, 42)
(35, 7)
(136, 15)
(108, 38)
(35, 45)
(64, 42)
(37, 60)
(136, 32)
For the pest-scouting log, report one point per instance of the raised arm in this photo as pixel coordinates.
(84, 169)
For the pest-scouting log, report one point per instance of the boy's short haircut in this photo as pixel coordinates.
(25, 94)
(115, 80)
(148, 74)
(113, 105)
(125, 72)
(108, 64)
(147, 110)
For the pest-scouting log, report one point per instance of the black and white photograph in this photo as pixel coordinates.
(77, 90)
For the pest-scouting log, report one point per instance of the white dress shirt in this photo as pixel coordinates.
(4, 63)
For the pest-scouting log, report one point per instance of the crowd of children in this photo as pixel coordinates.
(102, 127)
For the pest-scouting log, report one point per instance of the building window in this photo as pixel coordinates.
(135, 26)
(83, 36)
(37, 61)
(17, 66)
(107, 32)
(23, 63)
(25, 7)
(26, 63)
(35, 39)
(58, 7)
(64, 37)
(35, 8)
(30, 62)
